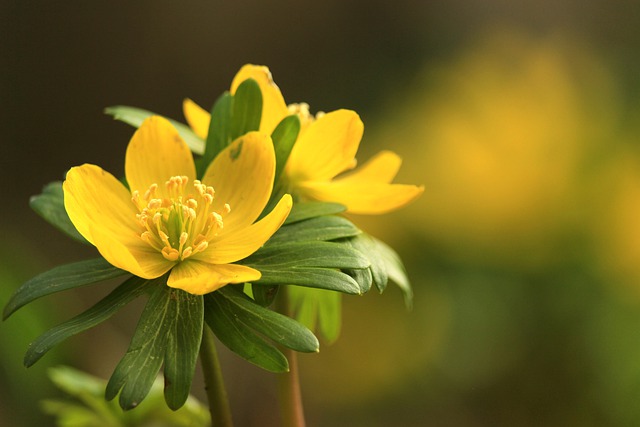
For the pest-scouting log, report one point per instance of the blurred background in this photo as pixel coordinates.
(521, 119)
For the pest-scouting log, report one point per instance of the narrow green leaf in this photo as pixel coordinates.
(183, 346)
(369, 246)
(101, 311)
(275, 326)
(284, 137)
(264, 295)
(311, 264)
(75, 383)
(219, 135)
(72, 414)
(377, 273)
(363, 278)
(136, 371)
(239, 338)
(303, 309)
(307, 254)
(247, 109)
(395, 270)
(311, 277)
(306, 210)
(318, 310)
(50, 206)
(88, 390)
(326, 228)
(61, 278)
(135, 116)
(88, 408)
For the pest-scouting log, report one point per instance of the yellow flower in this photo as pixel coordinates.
(326, 147)
(168, 220)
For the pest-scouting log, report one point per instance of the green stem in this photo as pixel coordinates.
(213, 382)
(289, 382)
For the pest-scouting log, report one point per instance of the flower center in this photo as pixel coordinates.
(180, 225)
(304, 114)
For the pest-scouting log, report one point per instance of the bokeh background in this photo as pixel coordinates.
(521, 119)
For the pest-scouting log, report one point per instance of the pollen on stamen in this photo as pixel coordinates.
(187, 252)
(157, 218)
(170, 253)
(146, 236)
(151, 192)
(217, 218)
(154, 203)
(165, 238)
(202, 246)
(188, 213)
(172, 221)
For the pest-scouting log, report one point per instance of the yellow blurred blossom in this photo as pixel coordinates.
(615, 202)
(503, 135)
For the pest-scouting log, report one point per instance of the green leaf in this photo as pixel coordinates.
(395, 270)
(61, 278)
(312, 264)
(325, 228)
(219, 135)
(274, 326)
(183, 346)
(219, 314)
(307, 254)
(101, 311)
(313, 306)
(377, 274)
(363, 278)
(50, 206)
(92, 409)
(321, 278)
(74, 415)
(306, 210)
(284, 137)
(247, 109)
(135, 116)
(87, 406)
(264, 295)
(137, 370)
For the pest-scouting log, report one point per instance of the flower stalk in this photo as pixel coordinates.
(214, 382)
(289, 394)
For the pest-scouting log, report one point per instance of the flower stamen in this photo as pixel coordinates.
(179, 225)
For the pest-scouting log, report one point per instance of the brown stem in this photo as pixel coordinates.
(289, 382)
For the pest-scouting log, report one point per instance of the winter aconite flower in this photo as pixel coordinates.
(326, 147)
(170, 221)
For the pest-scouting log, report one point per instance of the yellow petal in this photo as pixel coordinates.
(327, 148)
(274, 109)
(93, 197)
(139, 259)
(200, 278)
(197, 117)
(156, 153)
(381, 168)
(363, 197)
(242, 176)
(100, 207)
(235, 246)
